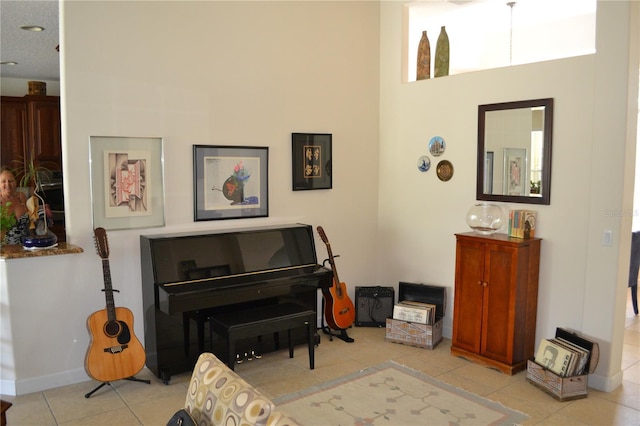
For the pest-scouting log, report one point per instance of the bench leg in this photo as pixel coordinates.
(259, 348)
(200, 335)
(290, 343)
(310, 339)
(186, 333)
(231, 351)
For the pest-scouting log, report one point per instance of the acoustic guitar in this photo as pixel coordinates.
(115, 352)
(339, 310)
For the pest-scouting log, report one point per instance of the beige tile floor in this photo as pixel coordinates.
(130, 403)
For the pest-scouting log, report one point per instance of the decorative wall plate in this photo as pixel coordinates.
(444, 170)
(437, 146)
(424, 163)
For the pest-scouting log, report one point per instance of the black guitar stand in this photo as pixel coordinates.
(325, 328)
(132, 378)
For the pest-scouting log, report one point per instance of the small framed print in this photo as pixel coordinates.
(126, 182)
(230, 182)
(311, 161)
(515, 171)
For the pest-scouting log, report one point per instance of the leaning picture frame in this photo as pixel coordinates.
(127, 189)
(230, 182)
(515, 171)
(311, 161)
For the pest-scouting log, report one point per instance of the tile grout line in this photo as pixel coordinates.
(46, 400)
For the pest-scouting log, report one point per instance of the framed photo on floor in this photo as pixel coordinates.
(127, 188)
(311, 161)
(230, 182)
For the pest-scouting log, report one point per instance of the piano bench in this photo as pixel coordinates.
(257, 322)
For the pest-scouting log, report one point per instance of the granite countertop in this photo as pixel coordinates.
(8, 251)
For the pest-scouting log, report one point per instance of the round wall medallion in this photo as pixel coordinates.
(437, 146)
(444, 170)
(424, 163)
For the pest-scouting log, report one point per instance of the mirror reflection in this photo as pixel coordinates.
(514, 151)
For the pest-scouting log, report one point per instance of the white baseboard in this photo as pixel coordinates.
(38, 384)
(605, 384)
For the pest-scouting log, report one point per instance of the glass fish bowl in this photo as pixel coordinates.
(485, 218)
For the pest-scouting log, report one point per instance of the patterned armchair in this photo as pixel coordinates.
(218, 396)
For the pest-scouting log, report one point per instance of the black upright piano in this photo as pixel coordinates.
(186, 277)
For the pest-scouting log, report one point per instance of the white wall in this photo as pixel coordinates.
(582, 283)
(20, 87)
(213, 73)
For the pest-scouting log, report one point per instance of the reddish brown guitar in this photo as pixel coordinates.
(115, 352)
(339, 310)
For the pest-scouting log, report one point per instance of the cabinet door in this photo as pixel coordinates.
(498, 302)
(467, 310)
(46, 147)
(13, 131)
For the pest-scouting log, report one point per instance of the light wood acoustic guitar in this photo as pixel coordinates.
(338, 310)
(115, 352)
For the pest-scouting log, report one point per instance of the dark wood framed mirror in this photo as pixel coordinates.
(514, 151)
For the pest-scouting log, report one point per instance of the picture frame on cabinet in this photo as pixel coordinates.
(127, 189)
(230, 182)
(515, 171)
(311, 161)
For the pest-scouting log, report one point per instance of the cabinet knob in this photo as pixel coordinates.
(484, 283)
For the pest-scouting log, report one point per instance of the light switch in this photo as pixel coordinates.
(607, 237)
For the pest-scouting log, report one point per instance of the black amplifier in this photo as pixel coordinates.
(373, 306)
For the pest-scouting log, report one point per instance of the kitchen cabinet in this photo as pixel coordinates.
(495, 300)
(44, 129)
(31, 130)
(13, 131)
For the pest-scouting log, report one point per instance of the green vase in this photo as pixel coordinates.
(423, 69)
(441, 63)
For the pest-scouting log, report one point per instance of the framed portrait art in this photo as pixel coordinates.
(311, 156)
(230, 182)
(126, 182)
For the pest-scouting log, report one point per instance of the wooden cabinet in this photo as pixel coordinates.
(44, 131)
(13, 131)
(31, 129)
(495, 300)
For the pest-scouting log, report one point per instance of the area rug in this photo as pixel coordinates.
(394, 395)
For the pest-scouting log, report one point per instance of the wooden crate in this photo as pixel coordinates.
(414, 334)
(564, 388)
(561, 388)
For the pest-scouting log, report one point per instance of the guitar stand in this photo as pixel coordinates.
(342, 336)
(132, 378)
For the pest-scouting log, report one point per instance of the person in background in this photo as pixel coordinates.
(16, 203)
